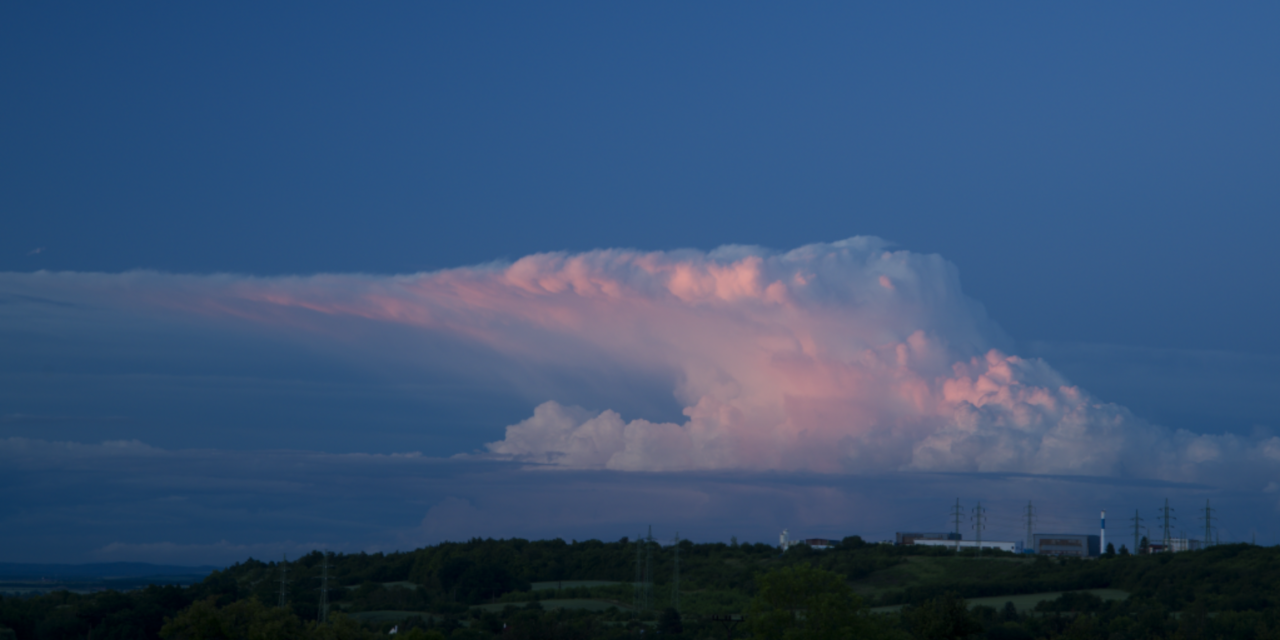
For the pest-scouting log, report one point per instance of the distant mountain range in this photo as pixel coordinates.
(98, 570)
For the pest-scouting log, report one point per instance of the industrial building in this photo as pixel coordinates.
(1011, 547)
(820, 543)
(1067, 544)
(1179, 544)
(900, 538)
(785, 542)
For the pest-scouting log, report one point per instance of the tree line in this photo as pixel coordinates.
(482, 589)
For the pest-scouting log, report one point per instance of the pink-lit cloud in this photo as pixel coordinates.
(844, 357)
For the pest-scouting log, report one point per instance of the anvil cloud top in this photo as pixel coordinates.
(837, 358)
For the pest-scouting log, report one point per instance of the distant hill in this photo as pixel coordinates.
(97, 570)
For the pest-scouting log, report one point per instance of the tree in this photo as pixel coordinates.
(201, 621)
(1124, 551)
(340, 627)
(1083, 627)
(1193, 622)
(1009, 613)
(242, 619)
(1111, 550)
(804, 603)
(669, 622)
(943, 618)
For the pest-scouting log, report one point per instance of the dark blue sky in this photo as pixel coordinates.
(1099, 173)
(1105, 176)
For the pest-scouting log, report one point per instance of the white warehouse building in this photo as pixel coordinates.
(1011, 547)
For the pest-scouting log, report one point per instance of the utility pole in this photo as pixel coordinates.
(1030, 517)
(1137, 525)
(1168, 532)
(1208, 524)
(675, 579)
(979, 522)
(956, 513)
(324, 590)
(284, 581)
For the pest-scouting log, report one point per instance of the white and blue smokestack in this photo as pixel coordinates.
(1103, 546)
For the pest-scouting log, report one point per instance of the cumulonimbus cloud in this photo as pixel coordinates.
(845, 357)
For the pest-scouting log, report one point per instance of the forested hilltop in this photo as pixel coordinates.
(556, 589)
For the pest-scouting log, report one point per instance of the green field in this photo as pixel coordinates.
(387, 616)
(576, 604)
(1025, 602)
(930, 570)
(403, 584)
(570, 584)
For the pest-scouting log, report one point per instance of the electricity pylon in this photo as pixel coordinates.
(648, 568)
(675, 579)
(644, 571)
(284, 581)
(1168, 519)
(979, 523)
(1137, 526)
(1208, 524)
(324, 590)
(1030, 517)
(639, 598)
(956, 513)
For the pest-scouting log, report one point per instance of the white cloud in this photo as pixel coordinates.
(843, 357)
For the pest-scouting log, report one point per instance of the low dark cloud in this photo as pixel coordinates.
(130, 501)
